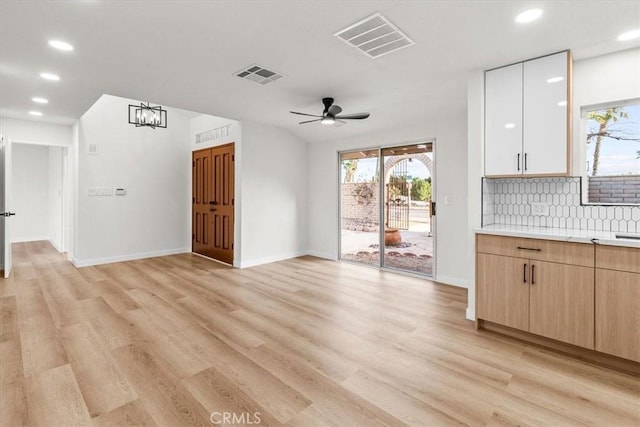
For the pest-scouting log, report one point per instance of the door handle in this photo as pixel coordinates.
(518, 161)
(524, 273)
(525, 161)
(522, 248)
(7, 214)
(533, 274)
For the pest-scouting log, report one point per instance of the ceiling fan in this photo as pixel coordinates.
(331, 116)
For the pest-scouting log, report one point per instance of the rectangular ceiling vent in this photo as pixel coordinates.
(259, 74)
(375, 36)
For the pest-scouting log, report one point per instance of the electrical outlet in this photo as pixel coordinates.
(540, 209)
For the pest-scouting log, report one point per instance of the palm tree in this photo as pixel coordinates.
(602, 117)
(350, 167)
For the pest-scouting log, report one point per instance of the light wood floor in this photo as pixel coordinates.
(306, 342)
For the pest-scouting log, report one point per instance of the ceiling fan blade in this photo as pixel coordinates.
(309, 121)
(357, 116)
(339, 123)
(335, 110)
(304, 114)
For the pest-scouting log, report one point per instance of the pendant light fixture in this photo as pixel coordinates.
(146, 115)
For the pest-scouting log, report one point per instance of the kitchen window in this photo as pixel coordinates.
(613, 153)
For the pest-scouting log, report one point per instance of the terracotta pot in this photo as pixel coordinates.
(392, 237)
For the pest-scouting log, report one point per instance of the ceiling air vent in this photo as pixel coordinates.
(259, 74)
(375, 36)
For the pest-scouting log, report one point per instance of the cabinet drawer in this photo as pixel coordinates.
(537, 249)
(618, 258)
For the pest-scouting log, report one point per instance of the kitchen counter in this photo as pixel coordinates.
(561, 234)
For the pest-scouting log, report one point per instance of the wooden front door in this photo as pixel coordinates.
(213, 202)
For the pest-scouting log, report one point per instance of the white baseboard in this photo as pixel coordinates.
(130, 257)
(29, 239)
(270, 259)
(324, 255)
(58, 248)
(453, 281)
(471, 313)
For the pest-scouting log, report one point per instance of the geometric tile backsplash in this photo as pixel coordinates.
(508, 201)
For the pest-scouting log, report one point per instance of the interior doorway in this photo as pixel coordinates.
(386, 207)
(213, 201)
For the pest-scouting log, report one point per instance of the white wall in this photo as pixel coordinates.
(152, 165)
(33, 132)
(273, 193)
(55, 197)
(30, 193)
(475, 167)
(450, 180)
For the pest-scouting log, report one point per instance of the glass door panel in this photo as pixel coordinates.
(407, 183)
(360, 206)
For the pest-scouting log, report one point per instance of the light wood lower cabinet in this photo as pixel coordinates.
(561, 302)
(577, 293)
(503, 297)
(617, 326)
(550, 299)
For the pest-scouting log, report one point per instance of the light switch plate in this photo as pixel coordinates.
(100, 191)
(540, 209)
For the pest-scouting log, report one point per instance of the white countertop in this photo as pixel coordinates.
(563, 234)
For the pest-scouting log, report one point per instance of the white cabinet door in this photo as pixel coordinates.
(545, 115)
(503, 121)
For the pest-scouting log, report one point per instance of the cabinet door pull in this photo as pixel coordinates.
(533, 274)
(525, 161)
(524, 273)
(518, 161)
(522, 248)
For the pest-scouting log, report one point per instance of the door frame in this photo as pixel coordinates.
(434, 218)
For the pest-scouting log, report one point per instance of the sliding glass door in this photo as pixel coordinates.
(386, 205)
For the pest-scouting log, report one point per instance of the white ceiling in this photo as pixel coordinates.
(183, 54)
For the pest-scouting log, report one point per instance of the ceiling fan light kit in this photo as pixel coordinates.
(330, 114)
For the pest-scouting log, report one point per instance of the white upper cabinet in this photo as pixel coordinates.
(503, 120)
(545, 113)
(537, 142)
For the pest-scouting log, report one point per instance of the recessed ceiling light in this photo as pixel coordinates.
(562, 103)
(35, 113)
(49, 76)
(39, 100)
(629, 35)
(509, 125)
(555, 79)
(528, 16)
(60, 45)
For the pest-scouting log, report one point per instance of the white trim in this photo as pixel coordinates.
(323, 255)
(270, 259)
(470, 314)
(29, 239)
(58, 248)
(130, 257)
(453, 281)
